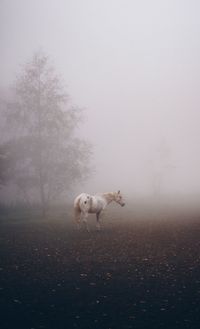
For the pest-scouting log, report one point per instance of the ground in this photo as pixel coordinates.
(135, 273)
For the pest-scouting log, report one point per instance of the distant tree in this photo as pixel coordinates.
(48, 159)
(4, 149)
(4, 164)
(164, 165)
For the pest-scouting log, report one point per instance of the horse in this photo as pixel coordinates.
(85, 204)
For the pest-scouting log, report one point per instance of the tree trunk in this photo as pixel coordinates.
(41, 178)
(42, 194)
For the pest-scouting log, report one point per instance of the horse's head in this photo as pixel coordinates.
(119, 199)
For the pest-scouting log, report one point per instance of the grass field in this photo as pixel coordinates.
(142, 270)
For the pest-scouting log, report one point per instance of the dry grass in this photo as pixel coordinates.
(141, 271)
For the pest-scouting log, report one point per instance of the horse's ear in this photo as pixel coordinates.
(118, 192)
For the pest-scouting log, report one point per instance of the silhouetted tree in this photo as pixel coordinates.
(48, 159)
(4, 164)
(164, 165)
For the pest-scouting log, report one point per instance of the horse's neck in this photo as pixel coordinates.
(109, 197)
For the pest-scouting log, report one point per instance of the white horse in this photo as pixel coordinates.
(94, 204)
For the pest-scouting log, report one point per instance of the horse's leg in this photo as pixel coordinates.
(77, 215)
(98, 220)
(84, 217)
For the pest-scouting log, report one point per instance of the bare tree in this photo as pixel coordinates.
(48, 159)
(4, 164)
(164, 165)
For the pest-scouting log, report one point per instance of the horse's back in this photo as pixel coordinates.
(97, 203)
(88, 203)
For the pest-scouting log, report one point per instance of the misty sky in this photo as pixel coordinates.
(134, 66)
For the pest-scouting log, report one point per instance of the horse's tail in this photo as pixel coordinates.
(77, 210)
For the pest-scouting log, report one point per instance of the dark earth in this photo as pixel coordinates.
(137, 272)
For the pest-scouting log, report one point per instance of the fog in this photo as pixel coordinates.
(133, 66)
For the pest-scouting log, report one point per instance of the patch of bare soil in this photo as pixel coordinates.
(132, 274)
